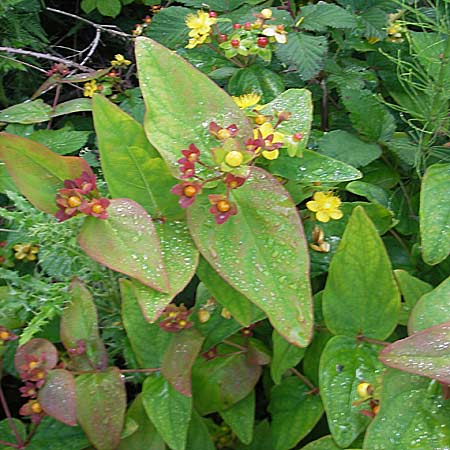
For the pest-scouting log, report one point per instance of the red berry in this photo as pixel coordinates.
(247, 26)
(222, 37)
(236, 26)
(235, 43)
(297, 137)
(212, 14)
(262, 41)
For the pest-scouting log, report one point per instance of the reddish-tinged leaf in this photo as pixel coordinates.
(424, 353)
(37, 171)
(179, 359)
(101, 405)
(36, 348)
(126, 242)
(57, 396)
(79, 326)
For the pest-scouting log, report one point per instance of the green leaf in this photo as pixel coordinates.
(215, 5)
(366, 304)
(215, 384)
(109, 8)
(285, 356)
(88, 5)
(343, 365)
(169, 410)
(324, 443)
(101, 405)
(6, 182)
(256, 79)
(38, 172)
(7, 434)
(28, 112)
(323, 15)
(346, 147)
(269, 267)
(242, 310)
(146, 437)
(432, 309)
(79, 322)
(57, 396)
(241, 418)
(198, 434)
(179, 358)
(127, 243)
(173, 125)
(372, 192)
(435, 214)
(411, 415)
(61, 141)
(313, 167)
(311, 360)
(294, 411)
(124, 148)
(180, 257)
(411, 289)
(304, 52)
(72, 106)
(424, 353)
(262, 438)
(148, 341)
(363, 104)
(169, 28)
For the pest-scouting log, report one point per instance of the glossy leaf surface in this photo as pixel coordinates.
(285, 356)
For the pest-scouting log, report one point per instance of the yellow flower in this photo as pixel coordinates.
(26, 251)
(90, 88)
(277, 32)
(326, 206)
(120, 61)
(197, 40)
(247, 100)
(266, 130)
(200, 23)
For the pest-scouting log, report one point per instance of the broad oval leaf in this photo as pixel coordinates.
(45, 352)
(411, 415)
(126, 242)
(37, 171)
(426, 353)
(169, 410)
(361, 295)
(101, 405)
(57, 396)
(261, 252)
(324, 443)
(79, 325)
(343, 365)
(181, 102)
(435, 213)
(27, 112)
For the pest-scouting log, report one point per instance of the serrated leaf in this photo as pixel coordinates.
(411, 415)
(272, 270)
(57, 396)
(79, 322)
(110, 8)
(313, 167)
(369, 303)
(322, 15)
(101, 405)
(344, 364)
(38, 172)
(28, 112)
(173, 125)
(305, 52)
(433, 308)
(169, 410)
(346, 147)
(435, 214)
(61, 141)
(294, 411)
(285, 356)
(127, 243)
(258, 79)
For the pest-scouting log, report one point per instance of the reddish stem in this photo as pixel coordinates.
(10, 419)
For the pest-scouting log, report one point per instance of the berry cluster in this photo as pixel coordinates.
(175, 318)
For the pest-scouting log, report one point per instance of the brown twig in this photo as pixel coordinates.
(232, 344)
(300, 376)
(362, 338)
(9, 444)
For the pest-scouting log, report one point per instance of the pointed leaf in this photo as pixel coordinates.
(79, 323)
(411, 416)
(324, 443)
(433, 308)
(57, 396)
(366, 304)
(294, 411)
(198, 435)
(435, 213)
(37, 171)
(426, 353)
(261, 252)
(72, 106)
(169, 410)
(101, 405)
(343, 365)
(179, 358)
(27, 112)
(177, 113)
(126, 242)
(37, 348)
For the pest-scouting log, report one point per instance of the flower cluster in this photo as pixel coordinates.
(175, 318)
(395, 29)
(91, 87)
(326, 206)
(200, 27)
(26, 252)
(81, 196)
(139, 28)
(120, 61)
(58, 68)
(6, 335)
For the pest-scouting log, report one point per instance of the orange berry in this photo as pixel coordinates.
(223, 205)
(376, 409)
(260, 119)
(36, 408)
(189, 191)
(4, 335)
(182, 323)
(74, 201)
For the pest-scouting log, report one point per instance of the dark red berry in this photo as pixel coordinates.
(262, 41)
(247, 26)
(212, 14)
(235, 43)
(222, 37)
(236, 26)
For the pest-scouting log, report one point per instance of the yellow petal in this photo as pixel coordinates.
(312, 205)
(319, 196)
(336, 214)
(281, 38)
(266, 129)
(271, 154)
(277, 138)
(322, 216)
